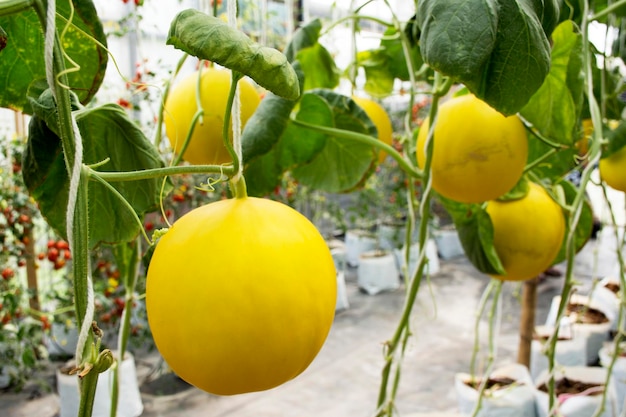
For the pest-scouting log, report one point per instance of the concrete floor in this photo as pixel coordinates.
(343, 380)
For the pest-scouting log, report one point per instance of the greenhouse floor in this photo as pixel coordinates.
(343, 380)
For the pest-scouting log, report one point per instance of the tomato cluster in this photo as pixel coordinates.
(58, 253)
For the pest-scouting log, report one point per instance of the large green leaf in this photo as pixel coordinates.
(266, 126)
(553, 109)
(317, 64)
(293, 145)
(343, 164)
(319, 67)
(475, 230)
(315, 159)
(208, 37)
(391, 44)
(548, 12)
(305, 37)
(386, 63)
(22, 61)
(458, 36)
(107, 133)
(497, 48)
(378, 76)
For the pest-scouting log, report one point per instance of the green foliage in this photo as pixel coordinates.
(555, 107)
(386, 63)
(316, 63)
(108, 135)
(285, 146)
(23, 59)
(351, 161)
(475, 230)
(497, 48)
(210, 38)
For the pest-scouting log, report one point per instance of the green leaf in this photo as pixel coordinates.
(386, 63)
(263, 175)
(305, 37)
(458, 36)
(107, 132)
(293, 145)
(553, 109)
(210, 38)
(343, 164)
(391, 44)
(548, 12)
(23, 58)
(497, 48)
(378, 76)
(319, 67)
(299, 145)
(585, 222)
(266, 126)
(29, 358)
(475, 230)
(554, 166)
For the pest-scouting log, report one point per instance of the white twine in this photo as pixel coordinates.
(74, 177)
(231, 9)
(71, 210)
(49, 43)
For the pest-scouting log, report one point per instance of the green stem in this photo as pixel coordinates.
(236, 76)
(131, 273)
(158, 135)
(8, 7)
(619, 337)
(482, 305)
(360, 137)
(80, 235)
(194, 121)
(539, 160)
(577, 204)
(161, 172)
(239, 188)
(88, 386)
(354, 17)
(608, 10)
(532, 129)
(493, 316)
(440, 89)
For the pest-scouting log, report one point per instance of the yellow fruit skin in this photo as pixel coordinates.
(528, 233)
(206, 146)
(613, 170)
(240, 295)
(478, 153)
(381, 120)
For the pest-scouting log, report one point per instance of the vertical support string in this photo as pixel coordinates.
(49, 40)
(231, 10)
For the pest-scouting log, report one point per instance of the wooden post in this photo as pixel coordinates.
(31, 272)
(527, 321)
